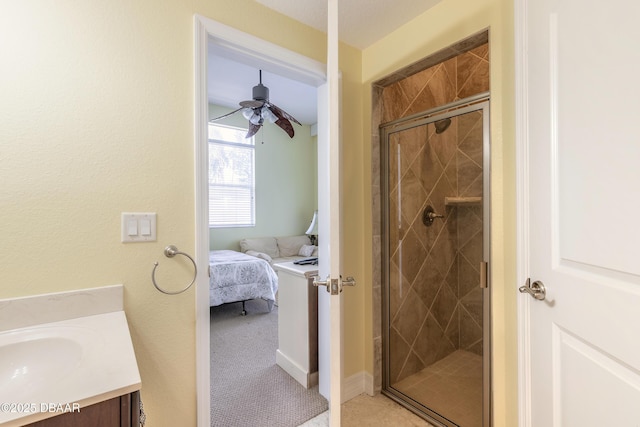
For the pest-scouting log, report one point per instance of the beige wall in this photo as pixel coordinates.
(96, 118)
(444, 25)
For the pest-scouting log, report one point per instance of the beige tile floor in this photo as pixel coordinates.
(451, 386)
(367, 411)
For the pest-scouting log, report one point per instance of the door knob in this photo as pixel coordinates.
(349, 281)
(334, 286)
(535, 289)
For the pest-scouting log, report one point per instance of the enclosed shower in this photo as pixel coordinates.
(435, 182)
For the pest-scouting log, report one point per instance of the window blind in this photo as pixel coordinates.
(231, 177)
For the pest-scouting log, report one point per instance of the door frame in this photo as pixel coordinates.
(250, 50)
(522, 212)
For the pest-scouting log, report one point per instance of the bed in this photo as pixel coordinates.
(237, 277)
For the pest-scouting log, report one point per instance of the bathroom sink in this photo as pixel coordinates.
(32, 358)
(61, 351)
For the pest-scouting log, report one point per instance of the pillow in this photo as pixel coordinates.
(260, 255)
(306, 250)
(266, 245)
(289, 246)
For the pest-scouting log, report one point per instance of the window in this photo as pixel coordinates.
(231, 177)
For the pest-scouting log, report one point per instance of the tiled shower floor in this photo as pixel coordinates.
(451, 387)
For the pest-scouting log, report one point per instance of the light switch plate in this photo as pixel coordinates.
(142, 223)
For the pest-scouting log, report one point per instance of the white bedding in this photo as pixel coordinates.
(235, 276)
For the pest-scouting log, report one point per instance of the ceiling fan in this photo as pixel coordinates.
(259, 108)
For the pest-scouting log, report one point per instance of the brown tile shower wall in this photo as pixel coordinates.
(435, 296)
(469, 232)
(462, 76)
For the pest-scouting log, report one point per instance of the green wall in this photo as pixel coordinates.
(286, 183)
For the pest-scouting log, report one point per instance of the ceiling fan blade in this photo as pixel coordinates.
(253, 129)
(252, 104)
(281, 114)
(286, 126)
(225, 115)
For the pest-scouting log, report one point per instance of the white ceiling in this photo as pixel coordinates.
(361, 23)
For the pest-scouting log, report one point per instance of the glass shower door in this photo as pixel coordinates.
(436, 243)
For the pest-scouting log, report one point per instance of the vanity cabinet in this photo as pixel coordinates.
(297, 350)
(122, 411)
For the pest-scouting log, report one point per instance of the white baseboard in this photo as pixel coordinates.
(369, 384)
(355, 385)
(293, 369)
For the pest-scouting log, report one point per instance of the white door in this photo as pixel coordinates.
(329, 306)
(330, 356)
(581, 104)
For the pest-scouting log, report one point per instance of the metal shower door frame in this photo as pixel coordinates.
(478, 102)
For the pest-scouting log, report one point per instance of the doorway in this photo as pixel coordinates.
(255, 52)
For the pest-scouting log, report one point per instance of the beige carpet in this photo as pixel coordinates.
(248, 389)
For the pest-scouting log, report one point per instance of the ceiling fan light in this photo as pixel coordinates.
(256, 119)
(247, 113)
(267, 114)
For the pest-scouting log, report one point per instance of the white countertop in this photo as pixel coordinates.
(306, 270)
(76, 360)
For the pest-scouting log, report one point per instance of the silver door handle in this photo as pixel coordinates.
(535, 289)
(349, 281)
(334, 286)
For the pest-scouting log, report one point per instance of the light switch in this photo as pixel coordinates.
(145, 227)
(138, 227)
(132, 227)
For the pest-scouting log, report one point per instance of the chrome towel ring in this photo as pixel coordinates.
(171, 251)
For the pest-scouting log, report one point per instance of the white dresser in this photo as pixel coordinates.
(297, 350)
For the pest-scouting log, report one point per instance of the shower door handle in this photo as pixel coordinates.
(484, 274)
